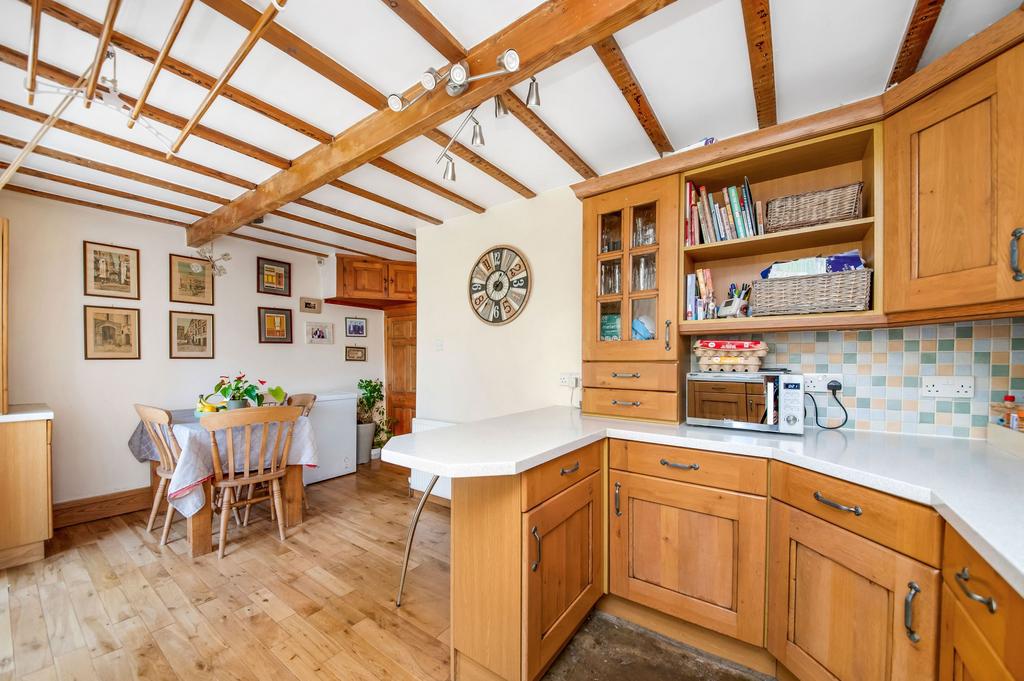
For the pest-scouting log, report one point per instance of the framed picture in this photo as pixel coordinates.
(111, 271)
(191, 335)
(355, 327)
(311, 305)
(191, 280)
(355, 353)
(275, 325)
(320, 333)
(111, 332)
(273, 277)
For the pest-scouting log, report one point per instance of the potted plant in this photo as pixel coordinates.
(240, 392)
(371, 393)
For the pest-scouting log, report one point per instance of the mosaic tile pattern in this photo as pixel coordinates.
(882, 370)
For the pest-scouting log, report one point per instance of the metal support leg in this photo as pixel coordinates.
(412, 533)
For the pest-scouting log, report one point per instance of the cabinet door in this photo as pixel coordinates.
(630, 272)
(402, 281)
(562, 570)
(693, 552)
(24, 483)
(365, 278)
(710, 405)
(837, 604)
(964, 654)
(952, 196)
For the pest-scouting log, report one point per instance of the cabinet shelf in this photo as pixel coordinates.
(793, 322)
(804, 237)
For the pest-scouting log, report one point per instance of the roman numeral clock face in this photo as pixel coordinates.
(499, 285)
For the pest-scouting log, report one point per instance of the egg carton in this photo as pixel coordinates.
(729, 363)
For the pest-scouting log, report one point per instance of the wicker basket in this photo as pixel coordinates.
(815, 208)
(830, 292)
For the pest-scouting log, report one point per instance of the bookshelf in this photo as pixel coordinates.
(822, 163)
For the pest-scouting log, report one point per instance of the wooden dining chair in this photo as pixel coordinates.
(304, 400)
(262, 459)
(157, 423)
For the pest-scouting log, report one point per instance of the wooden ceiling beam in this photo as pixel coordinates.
(421, 20)
(158, 63)
(384, 201)
(102, 43)
(915, 39)
(546, 135)
(395, 169)
(610, 54)
(757, 23)
(549, 33)
(439, 138)
(33, 50)
(345, 215)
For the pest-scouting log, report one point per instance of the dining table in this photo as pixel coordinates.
(189, 490)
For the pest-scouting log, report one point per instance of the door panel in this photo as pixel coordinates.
(400, 371)
(965, 654)
(365, 278)
(402, 281)
(709, 405)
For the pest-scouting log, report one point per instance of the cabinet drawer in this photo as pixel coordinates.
(901, 525)
(648, 405)
(1002, 628)
(547, 480)
(663, 376)
(726, 471)
(731, 387)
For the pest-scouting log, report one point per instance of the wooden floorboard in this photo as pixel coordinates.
(109, 603)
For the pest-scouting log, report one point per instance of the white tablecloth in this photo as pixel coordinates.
(185, 492)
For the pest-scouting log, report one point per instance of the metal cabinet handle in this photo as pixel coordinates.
(1018, 274)
(618, 490)
(680, 466)
(635, 374)
(536, 536)
(856, 510)
(908, 611)
(668, 335)
(569, 470)
(962, 578)
(622, 403)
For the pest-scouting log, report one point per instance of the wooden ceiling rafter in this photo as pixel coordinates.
(915, 39)
(397, 170)
(440, 138)
(545, 134)
(757, 24)
(422, 20)
(33, 50)
(345, 215)
(158, 63)
(610, 54)
(102, 44)
(384, 201)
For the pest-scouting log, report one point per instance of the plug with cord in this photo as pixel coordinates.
(833, 387)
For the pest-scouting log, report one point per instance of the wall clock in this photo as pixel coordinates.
(499, 285)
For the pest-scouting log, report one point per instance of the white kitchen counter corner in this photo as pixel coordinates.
(974, 486)
(27, 412)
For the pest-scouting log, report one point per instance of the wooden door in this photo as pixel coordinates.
(755, 408)
(713, 405)
(630, 273)
(400, 369)
(402, 281)
(562, 570)
(364, 278)
(953, 175)
(964, 654)
(25, 502)
(836, 604)
(693, 552)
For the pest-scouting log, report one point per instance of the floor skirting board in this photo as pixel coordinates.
(104, 506)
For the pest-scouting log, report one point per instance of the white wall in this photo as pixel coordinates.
(469, 370)
(93, 399)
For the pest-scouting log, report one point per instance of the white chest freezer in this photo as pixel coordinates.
(334, 427)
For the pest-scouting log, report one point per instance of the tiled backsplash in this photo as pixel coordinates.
(882, 371)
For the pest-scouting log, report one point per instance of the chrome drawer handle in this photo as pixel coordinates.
(1018, 275)
(856, 510)
(622, 403)
(616, 374)
(618, 490)
(569, 470)
(962, 578)
(536, 535)
(680, 466)
(908, 612)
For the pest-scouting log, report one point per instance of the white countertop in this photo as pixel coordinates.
(27, 412)
(974, 486)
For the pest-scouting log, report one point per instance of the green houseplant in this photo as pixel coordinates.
(241, 392)
(374, 427)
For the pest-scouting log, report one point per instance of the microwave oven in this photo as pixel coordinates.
(768, 401)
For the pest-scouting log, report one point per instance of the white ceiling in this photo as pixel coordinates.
(690, 58)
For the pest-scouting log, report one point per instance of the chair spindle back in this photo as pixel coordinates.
(255, 463)
(157, 423)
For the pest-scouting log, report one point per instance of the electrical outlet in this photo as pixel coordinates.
(963, 386)
(818, 383)
(948, 386)
(569, 380)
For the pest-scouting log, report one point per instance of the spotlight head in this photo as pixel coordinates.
(533, 95)
(430, 79)
(396, 102)
(500, 110)
(509, 60)
(478, 134)
(459, 73)
(449, 168)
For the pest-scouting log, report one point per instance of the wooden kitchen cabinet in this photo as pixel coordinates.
(838, 603)
(964, 653)
(952, 199)
(26, 508)
(401, 281)
(374, 282)
(694, 552)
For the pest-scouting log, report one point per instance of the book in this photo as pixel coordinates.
(750, 204)
(737, 216)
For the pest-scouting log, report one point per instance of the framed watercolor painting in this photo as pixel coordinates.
(191, 335)
(355, 353)
(191, 280)
(273, 277)
(355, 327)
(111, 332)
(275, 325)
(111, 271)
(320, 333)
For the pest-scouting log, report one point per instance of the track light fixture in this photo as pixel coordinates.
(478, 141)
(533, 95)
(456, 80)
(478, 134)
(449, 168)
(500, 110)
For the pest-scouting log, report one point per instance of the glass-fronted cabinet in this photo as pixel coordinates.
(630, 267)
